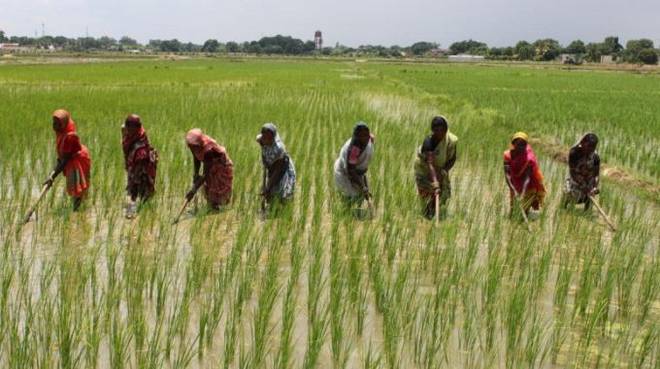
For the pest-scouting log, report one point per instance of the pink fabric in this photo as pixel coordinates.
(519, 164)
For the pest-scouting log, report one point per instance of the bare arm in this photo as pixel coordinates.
(355, 177)
(429, 162)
(507, 176)
(275, 174)
(198, 179)
(59, 167)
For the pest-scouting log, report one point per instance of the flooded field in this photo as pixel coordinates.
(312, 286)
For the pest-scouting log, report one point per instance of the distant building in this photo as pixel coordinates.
(607, 59)
(466, 58)
(318, 40)
(437, 52)
(569, 59)
(8, 46)
(15, 48)
(12, 48)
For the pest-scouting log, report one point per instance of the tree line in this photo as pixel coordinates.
(641, 51)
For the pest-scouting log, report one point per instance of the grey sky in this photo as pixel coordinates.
(350, 22)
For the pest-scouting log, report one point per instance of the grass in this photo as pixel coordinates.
(311, 286)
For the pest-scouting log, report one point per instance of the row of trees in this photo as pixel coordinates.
(635, 51)
(284, 45)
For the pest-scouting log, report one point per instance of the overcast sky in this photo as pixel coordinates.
(350, 22)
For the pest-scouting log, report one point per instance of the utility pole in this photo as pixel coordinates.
(43, 29)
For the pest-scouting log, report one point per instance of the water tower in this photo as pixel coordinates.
(318, 40)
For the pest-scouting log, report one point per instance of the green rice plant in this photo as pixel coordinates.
(310, 285)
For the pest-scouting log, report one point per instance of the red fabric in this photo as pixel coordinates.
(77, 169)
(128, 140)
(140, 166)
(518, 165)
(354, 155)
(355, 151)
(218, 167)
(219, 174)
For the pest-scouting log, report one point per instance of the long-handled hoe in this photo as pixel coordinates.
(264, 201)
(602, 213)
(437, 207)
(44, 190)
(519, 201)
(367, 197)
(183, 208)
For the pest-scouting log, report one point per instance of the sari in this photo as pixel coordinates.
(583, 173)
(443, 152)
(273, 153)
(358, 157)
(77, 169)
(519, 165)
(141, 162)
(218, 169)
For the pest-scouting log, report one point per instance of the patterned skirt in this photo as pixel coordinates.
(77, 173)
(218, 184)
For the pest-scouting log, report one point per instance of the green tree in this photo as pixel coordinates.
(546, 49)
(252, 47)
(87, 43)
(612, 45)
(2, 36)
(524, 50)
(648, 56)
(576, 47)
(233, 47)
(634, 49)
(468, 47)
(107, 43)
(595, 50)
(422, 47)
(309, 47)
(126, 41)
(171, 46)
(211, 46)
(61, 41)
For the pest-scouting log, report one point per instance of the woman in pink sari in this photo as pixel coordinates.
(523, 175)
(218, 171)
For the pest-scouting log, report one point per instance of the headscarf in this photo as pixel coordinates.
(520, 135)
(270, 127)
(439, 121)
(63, 116)
(588, 137)
(129, 140)
(200, 144)
(360, 126)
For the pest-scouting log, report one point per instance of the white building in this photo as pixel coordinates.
(466, 58)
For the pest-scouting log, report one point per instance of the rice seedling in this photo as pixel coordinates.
(311, 286)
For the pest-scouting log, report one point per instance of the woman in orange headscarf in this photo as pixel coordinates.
(523, 175)
(218, 173)
(72, 158)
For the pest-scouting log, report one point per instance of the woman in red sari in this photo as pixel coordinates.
(72, 158)
(218, 172)
(140, 160)
(523, 175)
